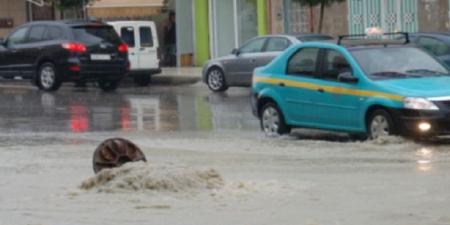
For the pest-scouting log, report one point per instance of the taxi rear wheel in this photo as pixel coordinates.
(380, 124)
(272, 121)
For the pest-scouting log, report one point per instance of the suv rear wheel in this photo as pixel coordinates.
(108, 85)
(272, 121)
(380, 124)
(142, 80)
(48, 79)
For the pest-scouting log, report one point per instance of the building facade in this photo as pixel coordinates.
(17, 12)
(12, 14)
(212, 28)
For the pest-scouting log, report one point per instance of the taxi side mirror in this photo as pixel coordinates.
(347, 77)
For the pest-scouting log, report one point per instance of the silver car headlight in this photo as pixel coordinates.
(419, 103)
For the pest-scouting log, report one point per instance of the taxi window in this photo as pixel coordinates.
(304, 62)
(434, 46)
(334, 64)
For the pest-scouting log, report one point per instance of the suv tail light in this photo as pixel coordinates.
(74, 47)
(123, 48)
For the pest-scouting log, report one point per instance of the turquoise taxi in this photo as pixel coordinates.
(357, 85)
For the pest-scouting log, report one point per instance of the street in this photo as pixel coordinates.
(308, 178)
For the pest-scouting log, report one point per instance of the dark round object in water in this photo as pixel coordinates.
(115, 152)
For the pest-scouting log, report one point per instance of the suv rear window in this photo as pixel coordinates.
(96, 34)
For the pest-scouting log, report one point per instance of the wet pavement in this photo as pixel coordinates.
(157, 108)
(311, 177)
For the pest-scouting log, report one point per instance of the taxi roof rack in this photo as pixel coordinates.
(374, 40)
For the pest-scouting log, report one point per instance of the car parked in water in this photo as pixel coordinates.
(436, 43)
(374, 89)
(52, 52)
(236, 69)
(143, 48)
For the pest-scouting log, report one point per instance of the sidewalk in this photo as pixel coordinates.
(178, 75)
(168, 76)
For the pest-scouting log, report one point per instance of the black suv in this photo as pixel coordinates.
(52, 52)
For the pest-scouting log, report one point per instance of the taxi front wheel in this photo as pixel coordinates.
(272, 121)
(381, 124)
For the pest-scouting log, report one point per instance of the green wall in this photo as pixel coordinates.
(201, 31)
(262, 16)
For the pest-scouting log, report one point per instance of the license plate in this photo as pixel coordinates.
(100, 57)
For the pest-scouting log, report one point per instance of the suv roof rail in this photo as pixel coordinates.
(89, 20)
(374, 40)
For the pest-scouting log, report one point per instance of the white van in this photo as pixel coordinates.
(142, 40)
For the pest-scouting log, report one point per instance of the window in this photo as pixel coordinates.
(36, 34)
(307, 38)
(398, 62)
(96, 34)
(277, 44)
(334, 64)
(127, 35)
(146, 36)
(18, 37)
(253, 46)
(434, 46)
(54, 33)
(304, 62)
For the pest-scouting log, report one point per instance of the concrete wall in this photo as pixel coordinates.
(12, 9)
(185, 29)
(335, 21)
(433, 15)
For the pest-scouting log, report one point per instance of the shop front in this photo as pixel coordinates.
(391, 15)
(231, 24)
(221, 25)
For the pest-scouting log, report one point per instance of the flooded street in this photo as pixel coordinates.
(190, 135)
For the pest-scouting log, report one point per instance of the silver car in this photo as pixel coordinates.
(236, 69)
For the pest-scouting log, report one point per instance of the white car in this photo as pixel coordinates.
(142, 40)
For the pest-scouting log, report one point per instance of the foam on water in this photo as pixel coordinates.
(144, 177)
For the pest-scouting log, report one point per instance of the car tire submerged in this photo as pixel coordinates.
(272, 121)
(108, 85)
(48, 78)
(380, 124)
(216, 80)
(142, 80)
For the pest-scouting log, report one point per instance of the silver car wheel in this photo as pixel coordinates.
(271, 121)
(379, 127)
(215, 79)
(47, 77)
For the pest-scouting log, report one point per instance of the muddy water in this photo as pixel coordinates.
(220, 170)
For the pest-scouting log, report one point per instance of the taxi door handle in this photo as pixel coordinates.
(321, 90)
